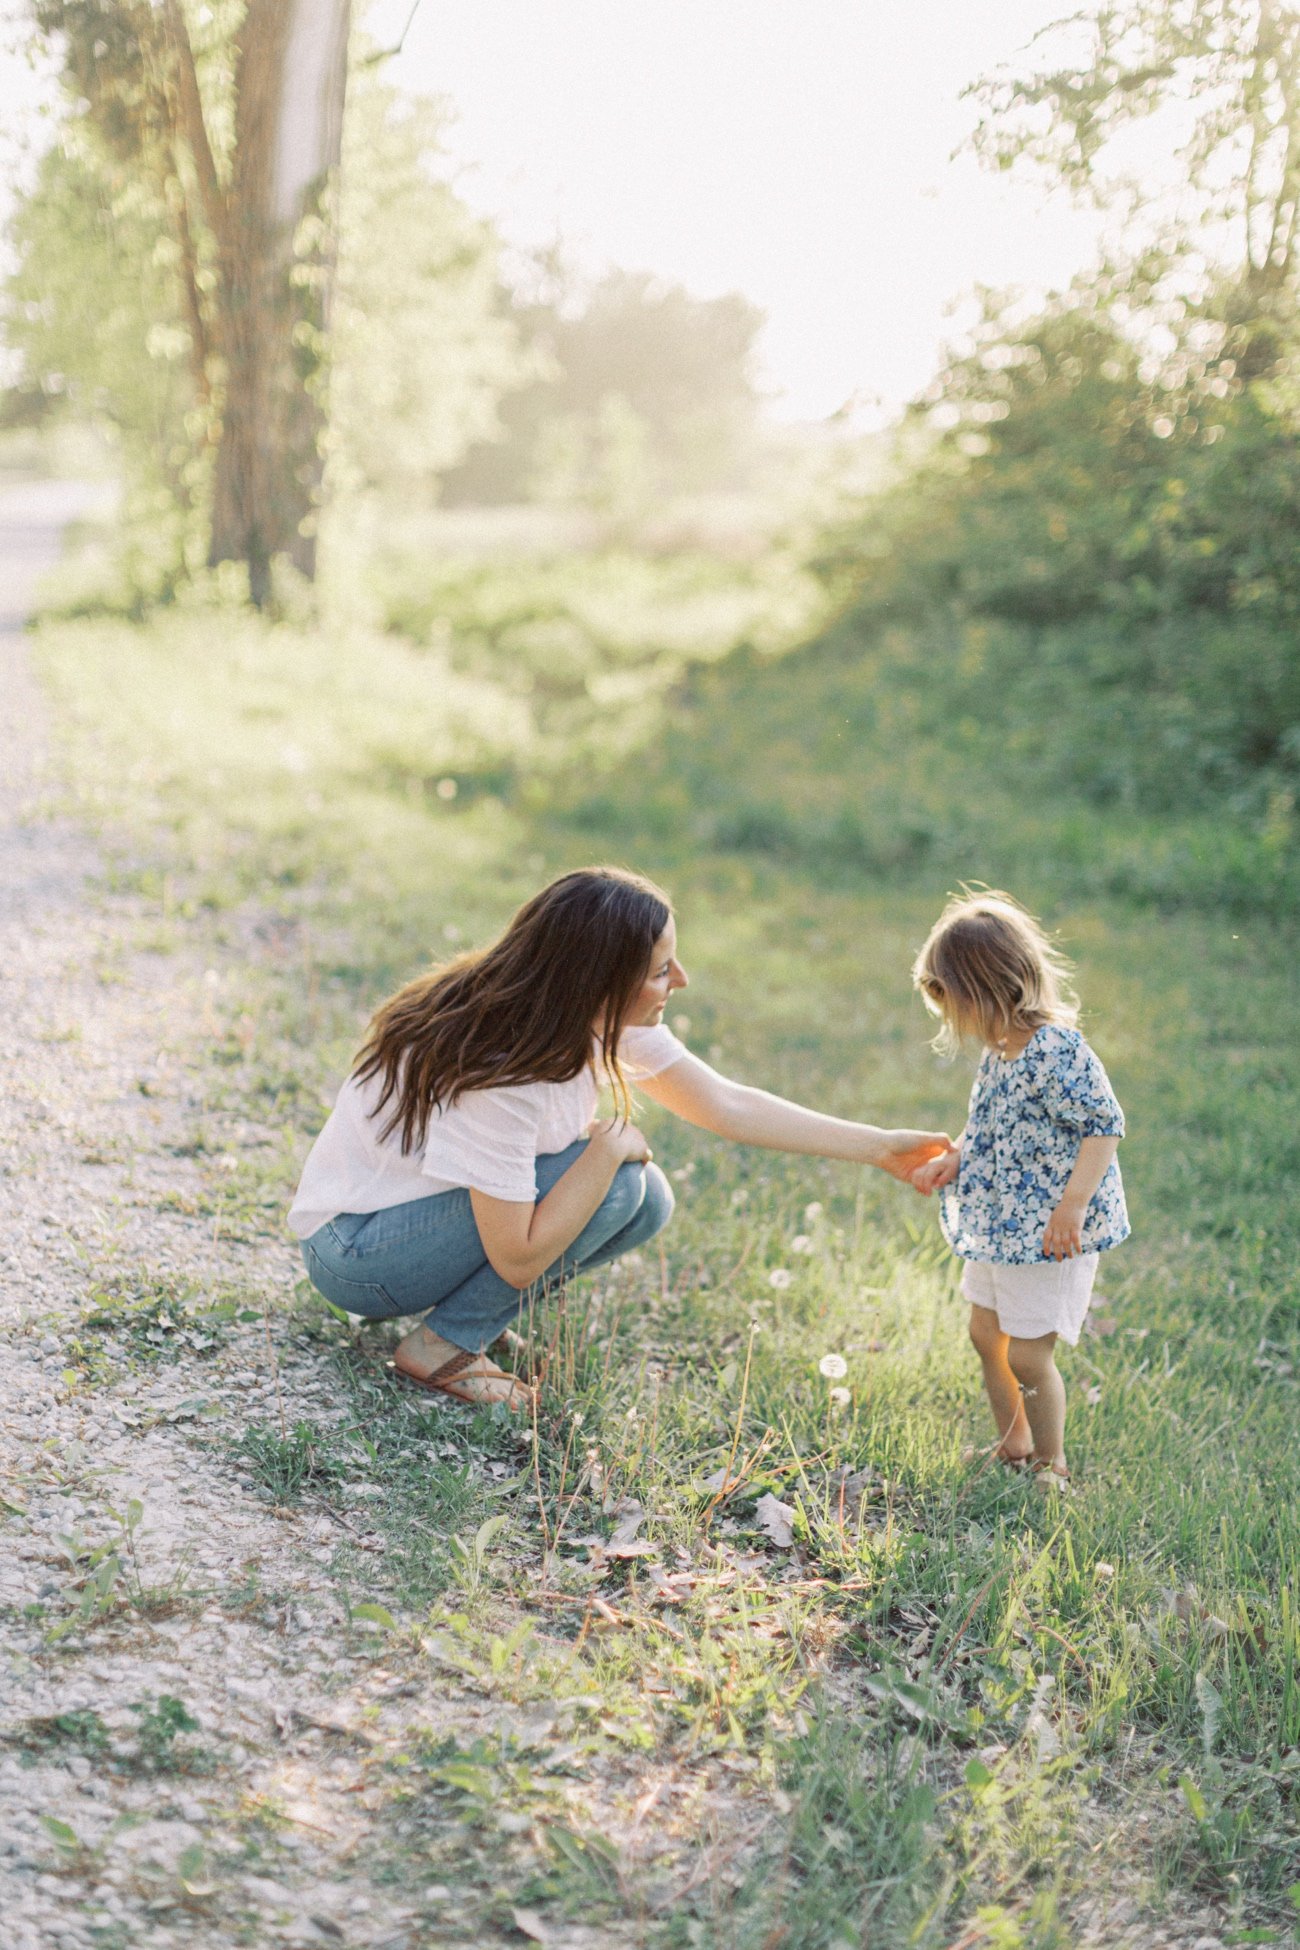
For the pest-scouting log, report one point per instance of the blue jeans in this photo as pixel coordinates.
(426, 1257)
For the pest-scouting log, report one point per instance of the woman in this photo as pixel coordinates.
(461, 1172)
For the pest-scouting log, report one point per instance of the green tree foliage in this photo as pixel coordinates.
(229, 118)
(421, 353)
(1099, 502)
(638, 388)
(109, 304)
(94, 312)
(1111, 543)
(1222, 78)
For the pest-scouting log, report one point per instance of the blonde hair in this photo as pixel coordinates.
(988, 968)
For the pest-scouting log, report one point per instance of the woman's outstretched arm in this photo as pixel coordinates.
(691, 1090)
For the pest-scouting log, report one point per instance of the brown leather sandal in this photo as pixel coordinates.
(442, 1382)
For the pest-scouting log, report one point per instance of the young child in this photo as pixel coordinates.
(1032, 1193)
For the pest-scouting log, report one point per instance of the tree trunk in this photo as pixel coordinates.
(278, 265)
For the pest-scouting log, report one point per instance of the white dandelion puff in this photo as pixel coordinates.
(801, 1243)
(833, 1366)
(840, 1397)
(780, 1277)
(813, 1212)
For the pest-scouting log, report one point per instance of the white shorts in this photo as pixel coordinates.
(1049, 1298)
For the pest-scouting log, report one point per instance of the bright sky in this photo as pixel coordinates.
(799, 151)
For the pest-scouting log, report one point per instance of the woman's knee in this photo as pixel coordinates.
(659, 1202)
(649, 1201)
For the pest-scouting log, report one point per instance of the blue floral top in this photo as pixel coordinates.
(1027, 1117)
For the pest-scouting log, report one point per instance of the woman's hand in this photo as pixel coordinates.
(937, 1172)
(903, 1153)
(617, 1137)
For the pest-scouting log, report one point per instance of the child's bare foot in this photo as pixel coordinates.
(1012, 1458)
(426, 1358)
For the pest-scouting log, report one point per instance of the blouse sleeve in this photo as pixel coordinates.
(488, 1142)
(645, 1051)
(1078, 1092)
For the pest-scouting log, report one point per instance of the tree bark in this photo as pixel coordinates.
(278, 265)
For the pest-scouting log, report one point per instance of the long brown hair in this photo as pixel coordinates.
(524, 1010)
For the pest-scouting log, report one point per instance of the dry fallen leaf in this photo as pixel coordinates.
(776, 1520)
(853, 1486)
(630, 1516)
(529, 1924)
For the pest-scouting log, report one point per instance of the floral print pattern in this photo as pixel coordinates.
(1027, 1117)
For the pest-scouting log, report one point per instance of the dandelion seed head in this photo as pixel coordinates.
(780, 1277)
(813, 1212)
(840, 1397)
(801, 1243)
(833, 1366)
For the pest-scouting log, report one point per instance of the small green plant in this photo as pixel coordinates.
(80, 1857)
(287, 1465)
(156, 1318)
(193, 1874)
(160, 1724)
(470, 1557)
(107, 1577)
(80, 1731)
(497, 1661)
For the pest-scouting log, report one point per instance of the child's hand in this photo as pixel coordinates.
(903, 1153)
(1064, 1235)
(936, 1172)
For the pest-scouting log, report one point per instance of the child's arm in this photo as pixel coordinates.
(937, 1172)
(1063, 1237)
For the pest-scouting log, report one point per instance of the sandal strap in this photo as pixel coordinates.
(457, 1365)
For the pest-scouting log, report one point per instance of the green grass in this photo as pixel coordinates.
(952, 1698)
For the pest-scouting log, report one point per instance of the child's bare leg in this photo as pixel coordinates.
(1000, 1384)
(1034, 1365)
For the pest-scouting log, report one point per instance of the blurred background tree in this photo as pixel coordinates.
(638, 389)
(196, 174)
(1096, 500)
(1075, 574)
(255, 289)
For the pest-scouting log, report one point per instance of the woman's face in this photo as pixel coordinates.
(665, 974)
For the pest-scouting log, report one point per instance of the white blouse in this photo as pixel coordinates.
(489, 1140)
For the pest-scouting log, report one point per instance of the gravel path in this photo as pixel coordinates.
(195, 1759)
